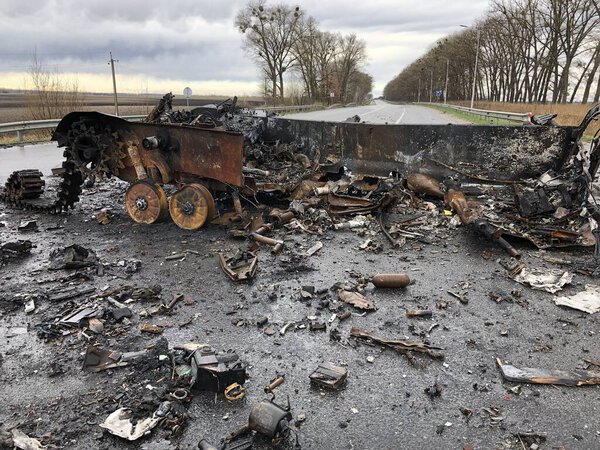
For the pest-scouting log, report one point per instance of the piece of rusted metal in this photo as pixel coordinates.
(182, 151)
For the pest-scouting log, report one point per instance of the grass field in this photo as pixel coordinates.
(13, 108)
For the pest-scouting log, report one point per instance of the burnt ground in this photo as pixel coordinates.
(46, 394)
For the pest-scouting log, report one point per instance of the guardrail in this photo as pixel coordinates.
(512, 116)
(289, 108)
(21, 127)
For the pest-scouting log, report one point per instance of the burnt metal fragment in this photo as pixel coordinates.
(212, 371)
(401, 346)
(329, 375)
(548, 376)
(239, 267)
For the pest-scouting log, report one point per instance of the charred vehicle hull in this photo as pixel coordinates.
(222, 150)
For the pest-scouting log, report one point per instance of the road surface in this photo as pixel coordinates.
(382, 112)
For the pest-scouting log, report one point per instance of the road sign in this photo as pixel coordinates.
(332, 94)
(188, 93)
(438, 93)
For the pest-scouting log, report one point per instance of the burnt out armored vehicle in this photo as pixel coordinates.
(221, 148)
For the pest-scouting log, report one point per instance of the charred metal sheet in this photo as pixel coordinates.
(174, 150)
(504, 152)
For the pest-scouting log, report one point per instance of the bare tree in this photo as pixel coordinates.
(50, 96)
(269, 33)
(350, 57)
(531, 50)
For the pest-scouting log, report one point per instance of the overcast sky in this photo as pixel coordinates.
(167, 45)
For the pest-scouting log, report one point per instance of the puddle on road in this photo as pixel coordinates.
(36, 156)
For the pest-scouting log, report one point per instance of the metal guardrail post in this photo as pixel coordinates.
(20, 136)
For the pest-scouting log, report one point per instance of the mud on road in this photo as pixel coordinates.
(388, 401)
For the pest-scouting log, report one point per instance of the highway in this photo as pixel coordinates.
(382, 112)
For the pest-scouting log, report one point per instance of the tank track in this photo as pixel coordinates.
(24, 188)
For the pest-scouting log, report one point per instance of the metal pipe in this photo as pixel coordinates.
(265, 240)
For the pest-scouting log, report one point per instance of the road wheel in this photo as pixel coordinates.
(192, 206)
(146, 202)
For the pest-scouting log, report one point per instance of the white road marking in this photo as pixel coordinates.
(401, 116)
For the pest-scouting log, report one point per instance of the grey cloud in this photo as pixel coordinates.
(196, 39)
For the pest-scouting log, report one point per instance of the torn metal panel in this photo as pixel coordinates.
(548, 376)
(505, 152)
(124, 424)
(547, 280)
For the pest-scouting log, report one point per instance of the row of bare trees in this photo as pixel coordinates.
(529, 51)
(284, 41)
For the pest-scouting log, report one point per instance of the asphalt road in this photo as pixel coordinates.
(382, 112)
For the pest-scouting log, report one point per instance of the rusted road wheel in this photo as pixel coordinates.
(192, 206)
(146, 202)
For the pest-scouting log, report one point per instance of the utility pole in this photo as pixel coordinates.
(112, 68)
(446, 87)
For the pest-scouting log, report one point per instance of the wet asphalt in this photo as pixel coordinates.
(383, 404)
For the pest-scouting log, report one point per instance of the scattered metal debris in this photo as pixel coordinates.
(122, 423)
(239, 267)
(587, 301)
(548, 376)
